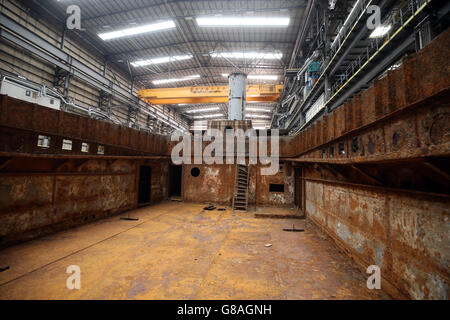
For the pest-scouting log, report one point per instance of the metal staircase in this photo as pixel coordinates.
(240, 199)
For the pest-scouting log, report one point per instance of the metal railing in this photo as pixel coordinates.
(396, 21)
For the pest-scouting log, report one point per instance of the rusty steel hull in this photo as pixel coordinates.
(374, 174)
(43, 196)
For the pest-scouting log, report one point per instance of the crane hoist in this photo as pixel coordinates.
(209, 94)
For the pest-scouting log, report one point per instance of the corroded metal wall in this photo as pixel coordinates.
(375, 173)
(46, 189)
(403, 115)
(215, 184)
(21, 123)
(41, 196)
(261, 184)
(405, 234)
(377, 178)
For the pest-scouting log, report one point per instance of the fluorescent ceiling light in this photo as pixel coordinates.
(247, 55)
(142, 63)
(258, 109)
(137, 30)
(218, 115)
(243, 21)
(380, 31)
(257, 76)
(202, 110)
(257, 116)
(162, 81)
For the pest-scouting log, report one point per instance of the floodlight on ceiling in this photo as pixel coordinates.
(143, 63)
(163, 81)
(257, 76)
(380, 31)
(202, 110)
(243, 21)
(137, 30)
(248, 55)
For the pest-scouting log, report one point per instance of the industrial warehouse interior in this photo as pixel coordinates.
(224, 150)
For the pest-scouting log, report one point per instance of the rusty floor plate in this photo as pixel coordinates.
(278, 213)
(176, 251)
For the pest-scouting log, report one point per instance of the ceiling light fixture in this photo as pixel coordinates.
(202, 110)
(143, 63)
(243, 21)
(257, 116)
(163, 81)
(218, 115)
(137, 30)
(248, 55)
(380, 31)
(257, 76)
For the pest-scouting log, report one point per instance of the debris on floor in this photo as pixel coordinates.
(268, 245)
(221, 209)
(176, 199)
(210, 208)
(3, 268)
(294, 230)
(129, 219)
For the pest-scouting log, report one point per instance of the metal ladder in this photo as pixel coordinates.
(240, 199)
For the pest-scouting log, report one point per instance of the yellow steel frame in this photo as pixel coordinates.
(207, 94)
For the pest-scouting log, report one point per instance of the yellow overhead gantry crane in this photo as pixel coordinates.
(207, 94)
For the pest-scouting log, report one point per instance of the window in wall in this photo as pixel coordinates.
(355, 144)
(276, 187)
(43, 141)
(85, 147)
(341, 148)
(67, 144)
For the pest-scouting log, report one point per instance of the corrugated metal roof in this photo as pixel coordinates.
(99, 16)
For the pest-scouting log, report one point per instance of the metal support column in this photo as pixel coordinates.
(238, 92)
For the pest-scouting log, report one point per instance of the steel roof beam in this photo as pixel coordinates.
(59, 58)
(196, 41)
(146, 7)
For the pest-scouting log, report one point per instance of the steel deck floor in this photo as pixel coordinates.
(176, 251)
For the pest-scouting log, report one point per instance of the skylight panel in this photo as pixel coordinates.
(218, 21)
(248, 55)
(163, 81)
(143, 63)
(137, 30)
